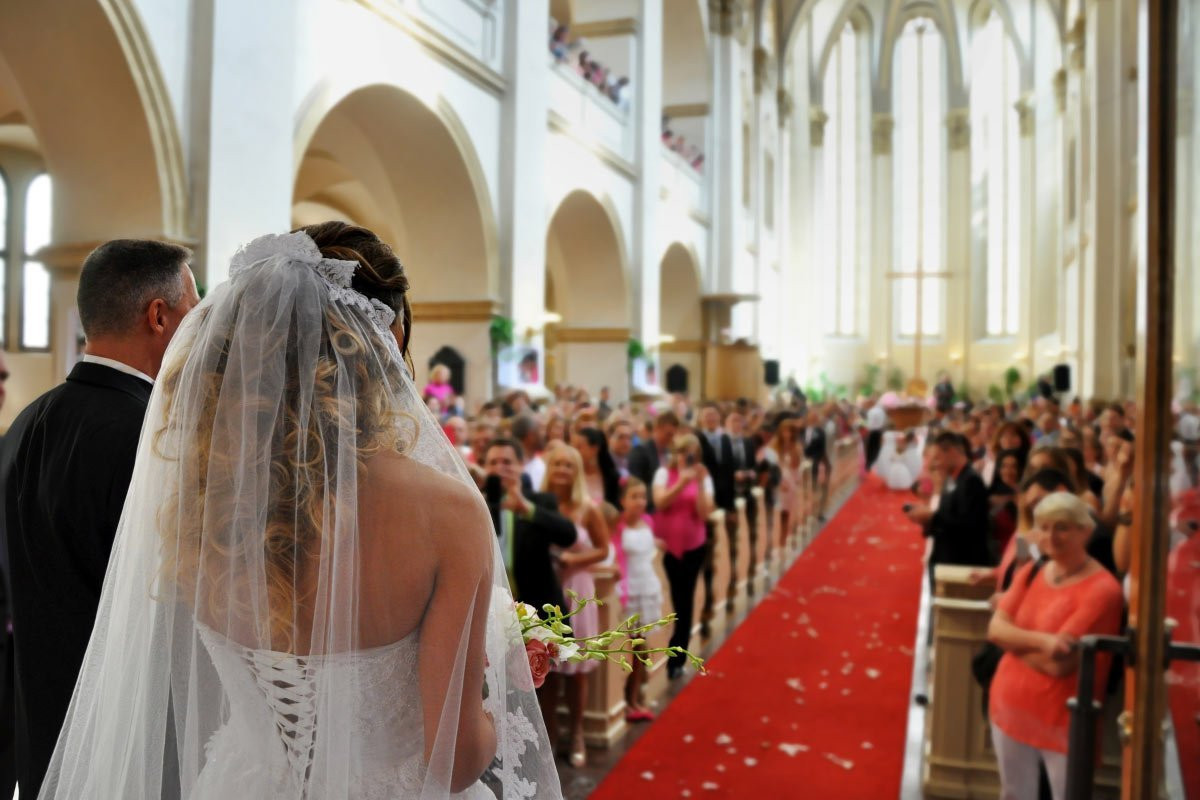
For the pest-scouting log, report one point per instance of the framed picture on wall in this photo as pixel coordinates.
(520, 367)
(643, 377)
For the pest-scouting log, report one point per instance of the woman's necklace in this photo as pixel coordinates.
(1059, 577)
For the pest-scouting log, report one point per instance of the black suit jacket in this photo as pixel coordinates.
(533, 569)
(643, 463)
(816, 451)
(960, 527)
(722, 470)
(65, 464)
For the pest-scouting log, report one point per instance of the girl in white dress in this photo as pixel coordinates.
(641, 591)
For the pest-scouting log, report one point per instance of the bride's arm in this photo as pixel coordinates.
(453, 639)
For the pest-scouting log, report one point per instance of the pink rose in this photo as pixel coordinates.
(539, 661)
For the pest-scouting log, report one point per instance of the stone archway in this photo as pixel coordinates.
(81, 95)
(681, 317)
(587, 285)
(383, 158)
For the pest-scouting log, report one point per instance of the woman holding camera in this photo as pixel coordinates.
(683, 499)
(1038, 623)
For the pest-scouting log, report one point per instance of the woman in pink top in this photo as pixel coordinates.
(683, 499)
(439, 386)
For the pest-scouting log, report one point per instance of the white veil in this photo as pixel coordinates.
(305, 598)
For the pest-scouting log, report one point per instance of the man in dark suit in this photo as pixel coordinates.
(647, 457)
(716, 451)
(8, 697)
(816, 450)
(528, 523)
(959, 528)
(66, 464)
(745, 478)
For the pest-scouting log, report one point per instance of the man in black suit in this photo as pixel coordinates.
(959, 528)
(66, 465)
(528, 523)
(716, 451)
(816, 450)
(8, 697)
(648, 456)
(745, 478)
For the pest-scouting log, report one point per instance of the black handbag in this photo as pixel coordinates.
(987, 660)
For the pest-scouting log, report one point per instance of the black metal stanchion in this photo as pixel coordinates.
(1085, 711)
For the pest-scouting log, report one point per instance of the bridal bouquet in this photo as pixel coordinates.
(548, 639)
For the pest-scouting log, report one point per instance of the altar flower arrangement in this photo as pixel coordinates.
(548, 639)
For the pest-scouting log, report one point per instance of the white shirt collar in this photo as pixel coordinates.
(118, 366)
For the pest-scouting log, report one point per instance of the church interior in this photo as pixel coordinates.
(883, 221)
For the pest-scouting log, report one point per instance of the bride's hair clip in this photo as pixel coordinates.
(336, 273)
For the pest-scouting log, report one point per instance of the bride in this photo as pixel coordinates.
(305, 598)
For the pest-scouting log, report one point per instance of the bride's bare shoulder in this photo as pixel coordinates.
(429, 498)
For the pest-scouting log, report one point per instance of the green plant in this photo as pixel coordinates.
(895, 379)
(1012, 376)
(870, 382)
(500, 331)
(635, 350)
(996, 395)
(963, 393)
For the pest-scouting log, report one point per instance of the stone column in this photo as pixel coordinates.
(523, 215)
(878, 327)
(726, 18)
(241, 132)
(647, 118)
(957, 240)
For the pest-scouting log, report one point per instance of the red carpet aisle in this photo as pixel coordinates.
(809, 696)
(1183, 604)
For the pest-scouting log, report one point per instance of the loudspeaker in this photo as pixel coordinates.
(771, 372)
(1062, 378)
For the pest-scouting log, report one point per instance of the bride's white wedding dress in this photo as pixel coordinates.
(292, 487)
(265, 749)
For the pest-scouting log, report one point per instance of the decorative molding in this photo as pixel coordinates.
(683, 346)
(728, 298)
(882, 126)
(592, 335)
(725, 17)
(1026, 115)
(598, 29)
(1076, 40)
(958, 128)
(816, 126)
(682, 110)
(1060, 90)
(438, 45)
(785, 105)
(160, 115)
(762, 60)
(65, 260)
(454, 311)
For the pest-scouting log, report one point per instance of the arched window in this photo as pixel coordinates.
(919, 273)
(35, 278)
(996, 174)
(843, 76)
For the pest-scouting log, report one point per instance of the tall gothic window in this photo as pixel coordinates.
(35, 278)
(842, 129)
(996, 173)
(919, 273)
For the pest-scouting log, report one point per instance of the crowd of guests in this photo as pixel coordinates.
(572, 50)
(1039, 498)
(576, 482)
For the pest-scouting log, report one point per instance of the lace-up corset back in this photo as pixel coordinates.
(274, 702)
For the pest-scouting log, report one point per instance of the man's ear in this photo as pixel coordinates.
(156, 316)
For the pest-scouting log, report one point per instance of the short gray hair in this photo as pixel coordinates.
(121, 278)
(1065, 507)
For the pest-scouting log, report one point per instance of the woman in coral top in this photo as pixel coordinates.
(1039, 622)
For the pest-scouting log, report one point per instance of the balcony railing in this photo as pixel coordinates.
(588, 112)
